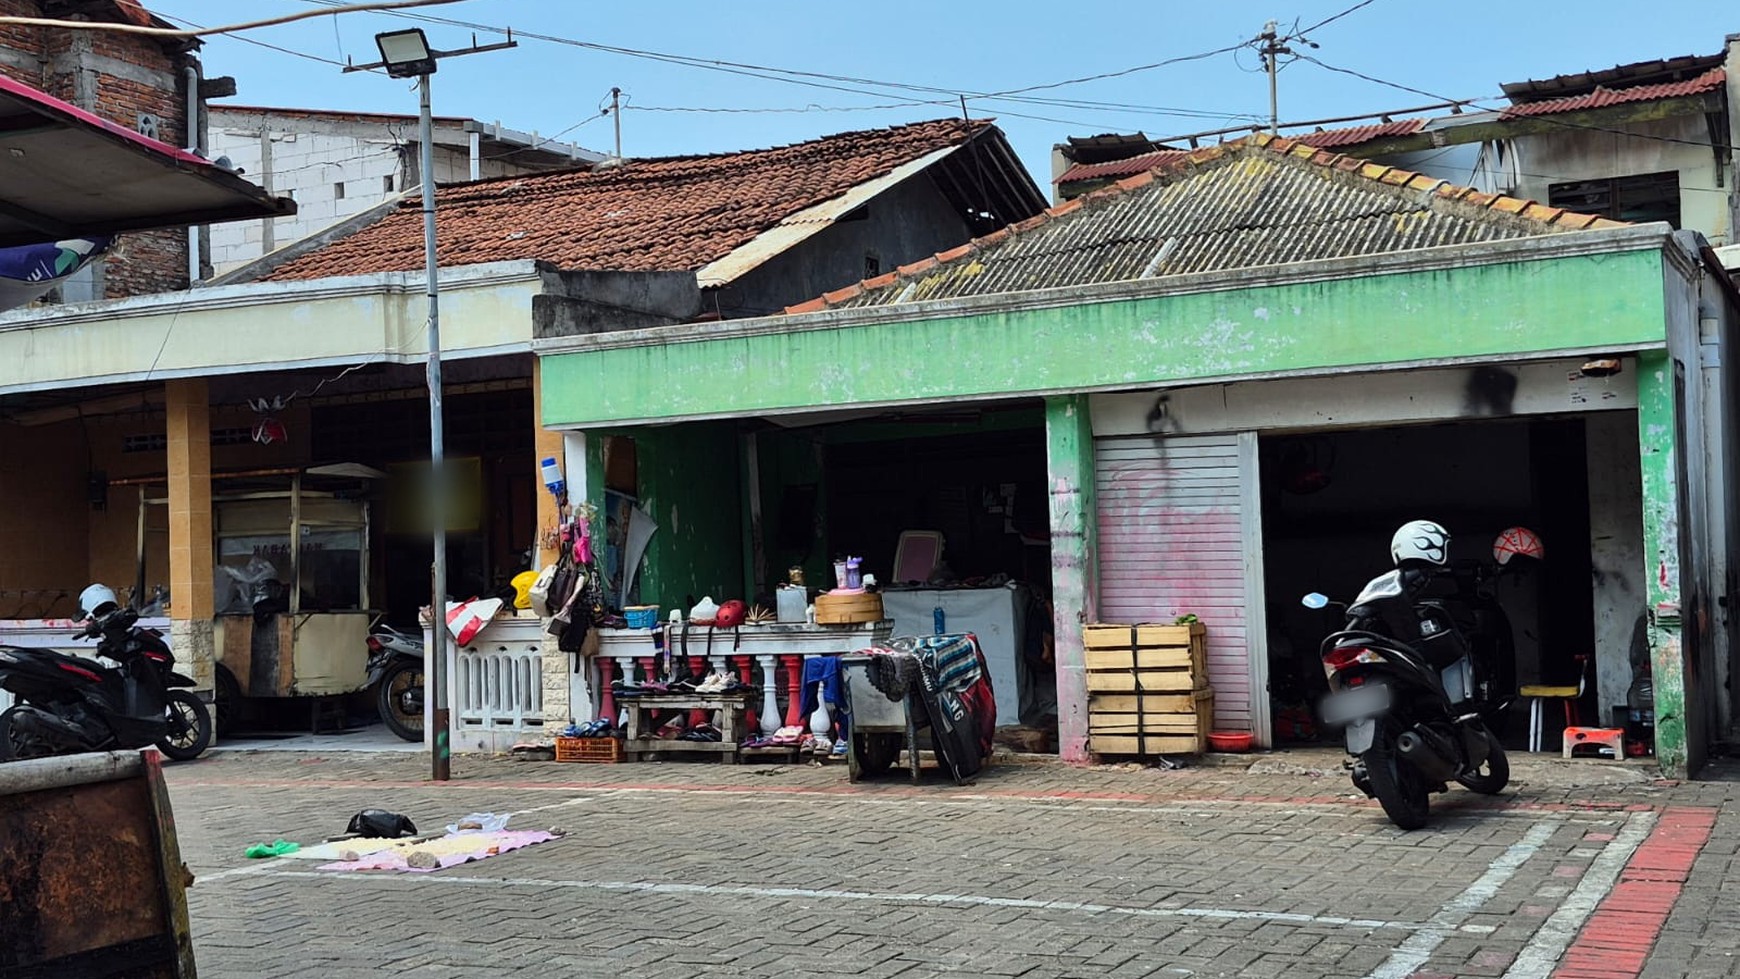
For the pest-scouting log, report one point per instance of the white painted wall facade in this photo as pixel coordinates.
(1680, 144)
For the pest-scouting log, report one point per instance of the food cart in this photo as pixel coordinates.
(291, 590)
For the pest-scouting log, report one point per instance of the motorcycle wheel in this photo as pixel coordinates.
(1399, 787)
(1492, 775)
(15, 745)
(402, 711)
(189, 727)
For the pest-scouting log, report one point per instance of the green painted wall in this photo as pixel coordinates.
(1518, 307)
(690, 483)
(1657, 429)
(1069, 456)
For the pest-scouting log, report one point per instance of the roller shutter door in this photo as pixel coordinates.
(1175, 514)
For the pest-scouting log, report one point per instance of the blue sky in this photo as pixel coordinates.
(1459, 51)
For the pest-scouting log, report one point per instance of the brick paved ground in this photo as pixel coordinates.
(679, 870)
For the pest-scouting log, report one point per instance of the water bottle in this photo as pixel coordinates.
(553, 480)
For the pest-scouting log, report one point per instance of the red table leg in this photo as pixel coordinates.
(794, 685)
(606, 699)
(744, 673)
(697, 670)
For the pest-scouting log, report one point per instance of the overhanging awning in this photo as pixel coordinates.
(66, 174)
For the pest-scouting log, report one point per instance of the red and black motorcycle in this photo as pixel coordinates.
(68, 703)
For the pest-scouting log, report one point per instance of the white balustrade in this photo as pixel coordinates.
(498, 687)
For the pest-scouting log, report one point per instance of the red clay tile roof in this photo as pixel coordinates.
(1322, 138)
(1709, 81)
(669, 214)
(976, 261)
(1327, 139)
(1127, 167)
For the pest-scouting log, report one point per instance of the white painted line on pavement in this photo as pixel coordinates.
(1418, 947)
(882, 897)
(258, 867)
(1541, 954)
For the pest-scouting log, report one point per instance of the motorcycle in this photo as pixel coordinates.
(68, 703)
(1403, 681)
(396, 672)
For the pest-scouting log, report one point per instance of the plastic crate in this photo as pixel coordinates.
(589, 751)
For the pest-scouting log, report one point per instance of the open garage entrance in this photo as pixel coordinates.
(1332, 500)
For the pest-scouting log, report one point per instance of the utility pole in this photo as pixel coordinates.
(406, 54)
(1272, 47)
(616, 117)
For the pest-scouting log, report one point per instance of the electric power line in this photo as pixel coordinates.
(823, 80)
(1297, 34)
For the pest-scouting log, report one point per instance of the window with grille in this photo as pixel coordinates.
(1640, 198)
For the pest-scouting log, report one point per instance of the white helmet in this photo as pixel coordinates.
(1423, 541)
(97, 601)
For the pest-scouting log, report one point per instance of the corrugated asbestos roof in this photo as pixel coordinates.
(1260, 201)
(671, 214)
(1710, 81)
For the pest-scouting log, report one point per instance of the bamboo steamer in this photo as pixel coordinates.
(834, 609)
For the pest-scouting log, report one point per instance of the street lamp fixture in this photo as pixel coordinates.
(406, 54)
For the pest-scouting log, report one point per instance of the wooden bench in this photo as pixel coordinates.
(639, 739)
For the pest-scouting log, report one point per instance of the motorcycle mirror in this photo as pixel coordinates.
(1315, 600)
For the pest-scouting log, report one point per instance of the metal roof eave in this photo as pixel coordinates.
(66, 173)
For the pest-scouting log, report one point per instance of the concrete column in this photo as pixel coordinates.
(1074, 561)
(547, 444)
(1657, 434)
(190, 528)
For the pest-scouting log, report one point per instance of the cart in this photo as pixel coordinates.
(880, 727)
(92, 869)
(947, 672)
(291, 587)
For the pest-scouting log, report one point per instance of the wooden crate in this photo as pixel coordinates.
(1148, 689)
(1130, 715)
(592, 751)
(1147, 647)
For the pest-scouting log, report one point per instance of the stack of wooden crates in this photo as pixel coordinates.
(1148, 690)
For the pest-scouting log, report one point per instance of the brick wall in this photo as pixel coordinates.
(118, 77)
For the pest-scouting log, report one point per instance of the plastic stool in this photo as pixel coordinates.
(1601, 738)
(1537, 698)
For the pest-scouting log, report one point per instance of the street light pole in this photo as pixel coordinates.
(436, 680)
(406, 54)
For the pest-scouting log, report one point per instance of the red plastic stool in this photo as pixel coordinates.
(1603, 739)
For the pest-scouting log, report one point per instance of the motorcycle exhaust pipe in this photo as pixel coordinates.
(1418, 753)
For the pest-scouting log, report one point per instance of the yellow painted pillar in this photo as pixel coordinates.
(546, 444)
(191, 568)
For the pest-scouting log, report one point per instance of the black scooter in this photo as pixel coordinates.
(1404, 684)
(68, 703)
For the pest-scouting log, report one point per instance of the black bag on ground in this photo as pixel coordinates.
(381, 824)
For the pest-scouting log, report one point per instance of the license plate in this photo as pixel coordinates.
(1356, 704)
(1360, 735)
